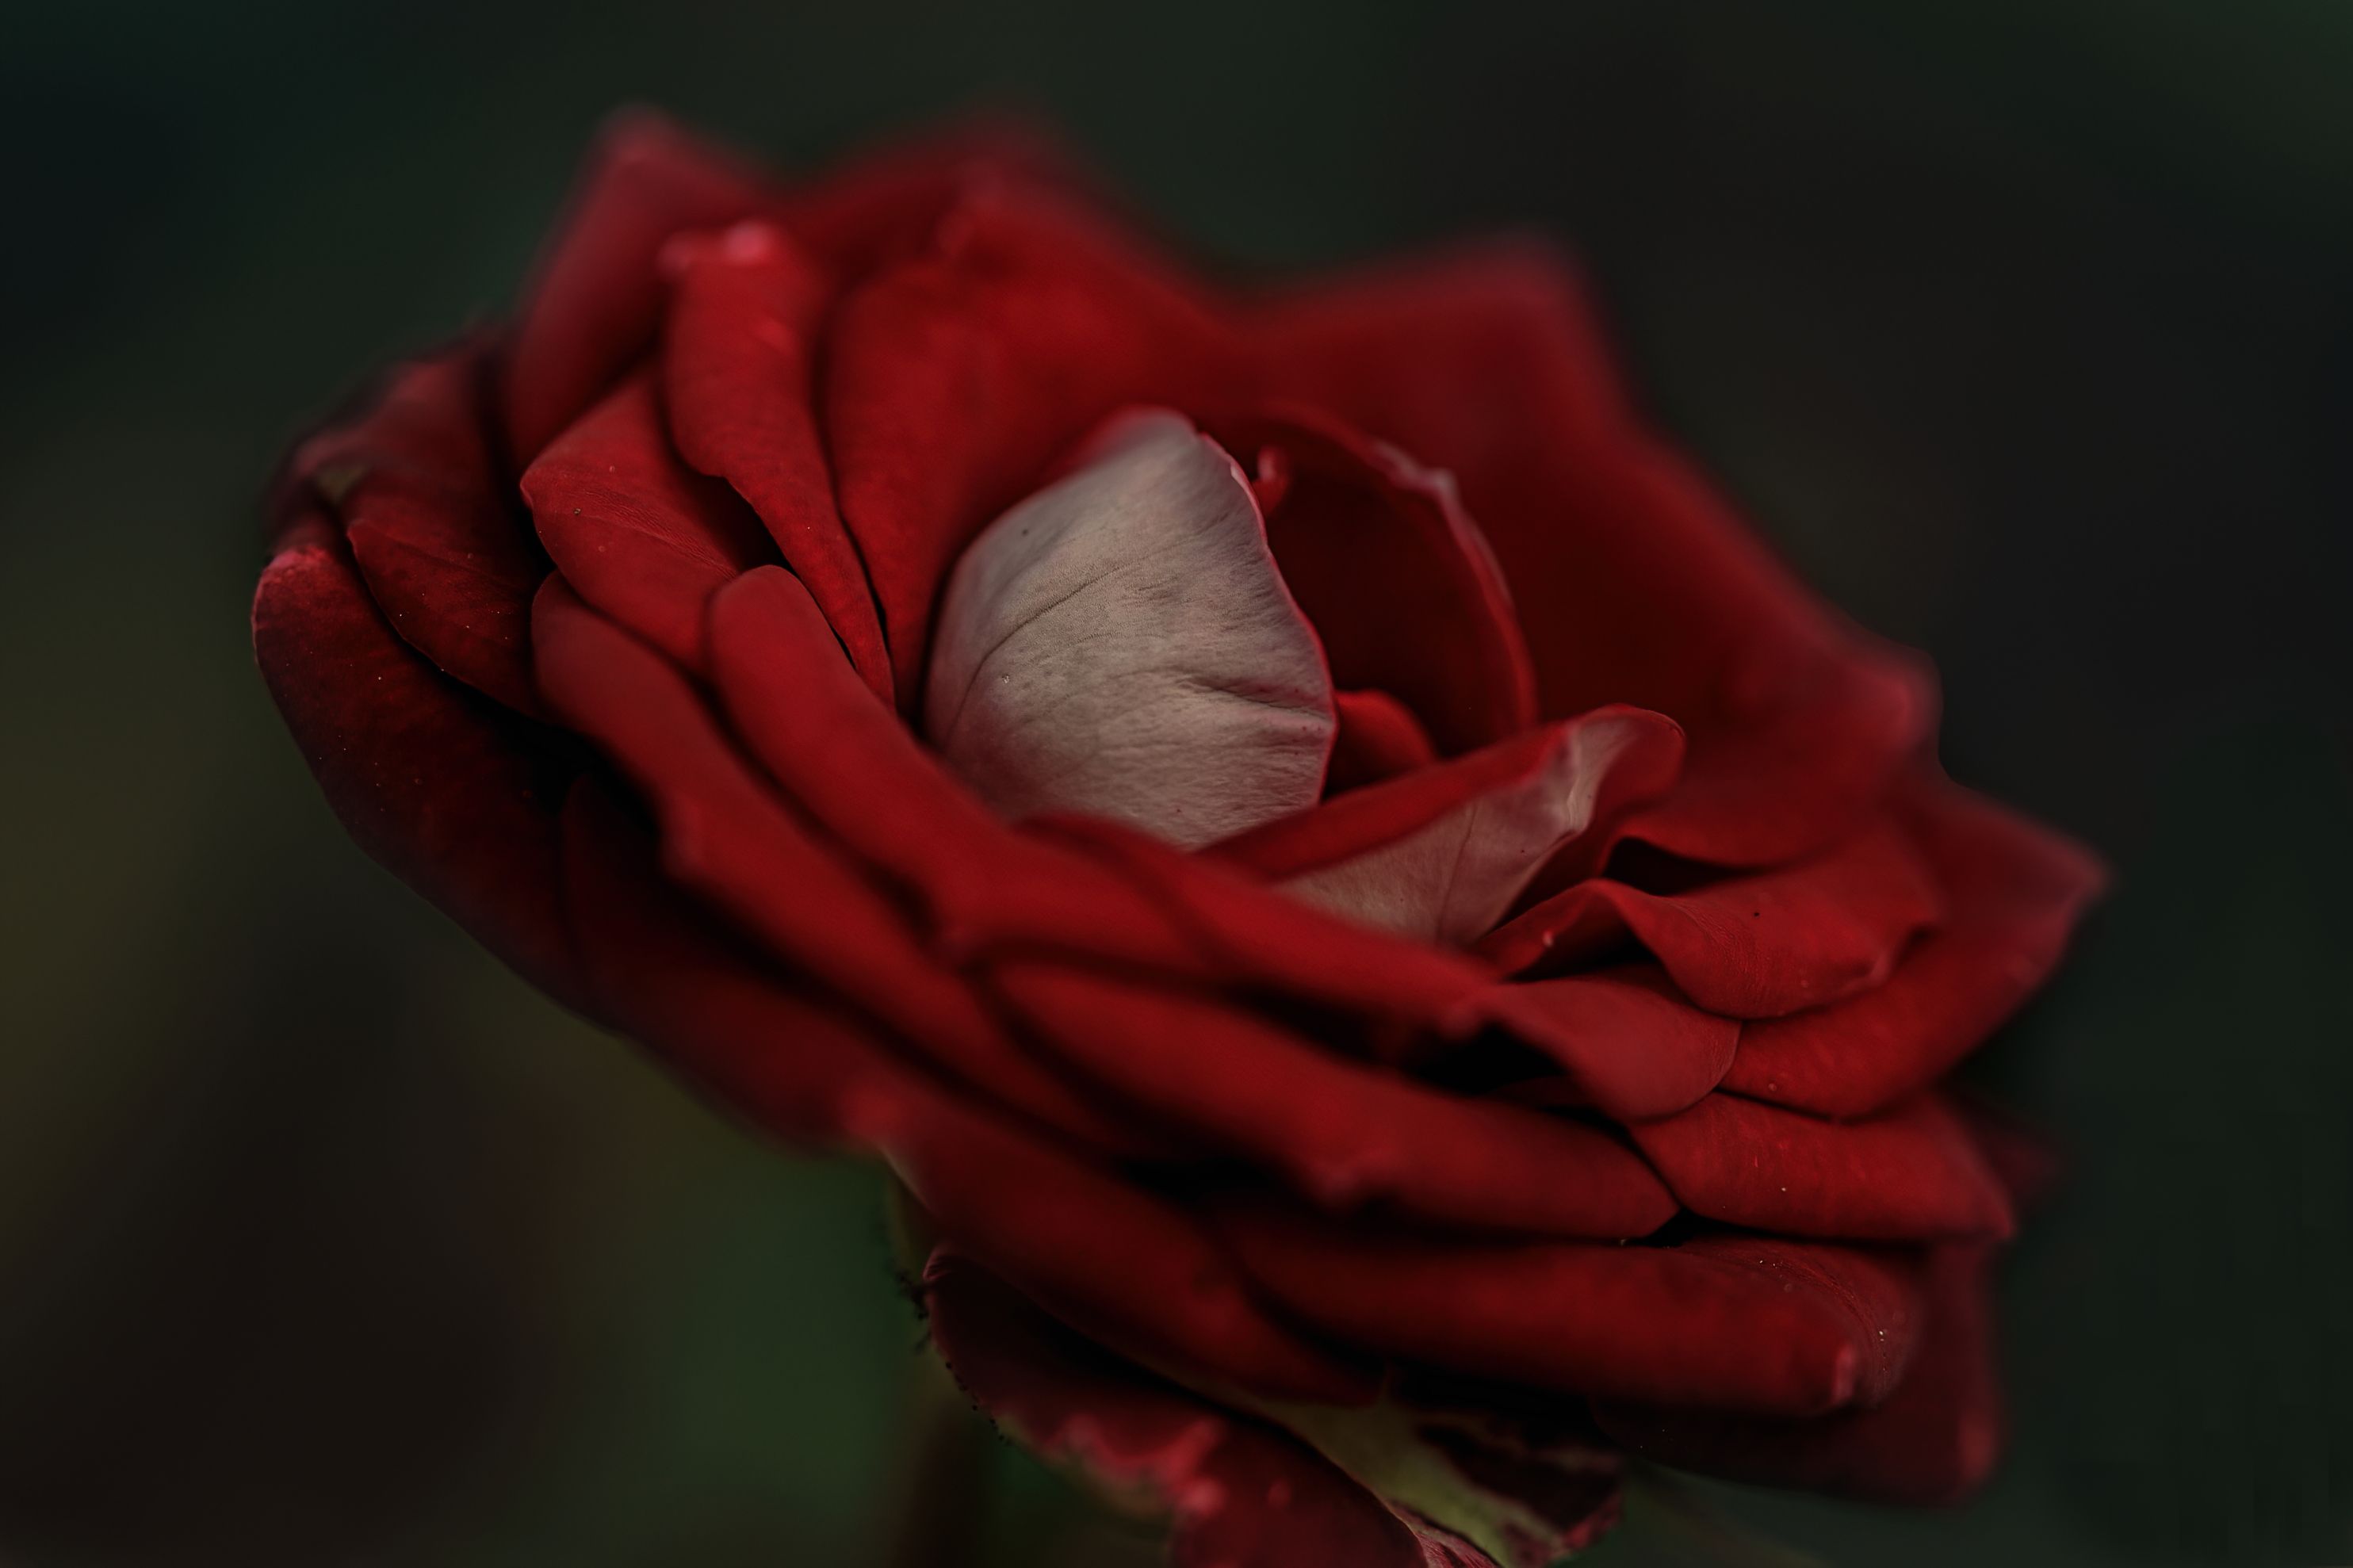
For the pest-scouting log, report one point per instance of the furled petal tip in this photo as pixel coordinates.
(1452, 878)
(1122, 645)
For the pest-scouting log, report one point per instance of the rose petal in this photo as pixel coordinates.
(2013, 891)
(431, 524)
(594, 305)
(1644, 587)
(728, 838)
(1378, 738)
(1627, 1039)
(1345, 1133)
(1121, 645)
(1749, 1323)
(736, 373)
(635, 532)
(1751, 947)
(1910, 1175)
(1442, 853)
(882, 204)
(1395, 576)
(1133, 1270)
(846, 760)
(1934, 1441)
(1407, 990)
(452, 795)
(1240, 1494)
(953, 378)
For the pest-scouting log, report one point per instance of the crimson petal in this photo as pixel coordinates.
(1401, 587)
(454, 797)
(846, 760)
(1748, 1323)
(1750, 947)
(1627, 1039)
(737, 377)
(953, 378)
(728, 838)
(1912, 1174)
(1036, 1214)
(431, 524)
(1490, 364)
(593, 308)
(1379, 738)
(1346, 1132)
(1933, 1441)
(2013, 893)
(636, 534)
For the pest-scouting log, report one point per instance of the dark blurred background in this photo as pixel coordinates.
(2022, 325)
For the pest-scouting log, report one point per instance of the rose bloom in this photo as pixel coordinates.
(1400, 960)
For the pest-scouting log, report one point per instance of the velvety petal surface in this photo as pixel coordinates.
(1750, 947)
(1632, 1048)
(954, 377)
(2013, 893)
(738, 367)
(1642, 587)
(1395, 575)
(1933, 1441)
(638, 534)
(597, 299)
(432, 524)
(1128, 1268)
(1911, 1174)
(729, 839)
(454, 795)
(1749, 1323)
(1378, 738)
(1346, 1132)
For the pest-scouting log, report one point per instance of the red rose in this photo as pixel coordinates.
(1398, 956)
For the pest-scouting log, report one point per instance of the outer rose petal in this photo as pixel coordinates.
(1643, 587)
(882, 205)
(1268, 941)
(726, 837)
(1911, 1174)
(432, 524)
(1933, 1441)
(1629, 1043)
(1747, 1323)
(846, 758)
(1345, 1133)
(1241, 1494)
(595, 304)
(1121, 645)
(454, 797)
(2013, 891)
(1132, 1269)
(1753, 947)
(1078, 889)
(737, 371)
(953, 378)
(637, 533)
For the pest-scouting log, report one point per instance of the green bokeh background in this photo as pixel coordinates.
(2021, 327)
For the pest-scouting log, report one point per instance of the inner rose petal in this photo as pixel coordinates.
(1122, 645)
(1452, 878)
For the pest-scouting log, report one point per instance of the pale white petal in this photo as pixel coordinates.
(1120, 643)
(1452, 880)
